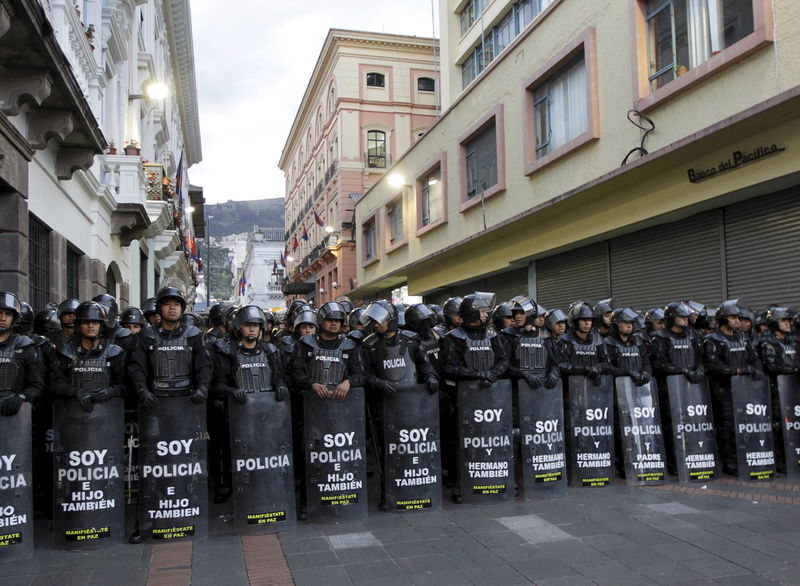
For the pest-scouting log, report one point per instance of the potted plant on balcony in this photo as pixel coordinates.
(680, 70)
(111, 149)
(90, 35)
(132, 148)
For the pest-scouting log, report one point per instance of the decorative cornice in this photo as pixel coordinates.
(179, 33)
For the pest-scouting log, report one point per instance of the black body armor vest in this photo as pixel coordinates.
(480, 355)
(171, 361)
(92, 373)
(532, 353)
(328, 367)
(397, 364)
(9, 366)
(253, 373)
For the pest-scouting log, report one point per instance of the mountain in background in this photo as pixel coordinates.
(235, 217)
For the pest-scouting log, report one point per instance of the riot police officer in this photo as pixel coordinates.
(66, 315)
(112, 331)
(602, 313)
(21, 369)
(452, 319)
(555, 321)
(218, 329)
(581, 350)
(674, 350)
(626, 353)
(529, 356)
(502, 317)
(132, 319)
(728, 353)
(150, 311)
(421, 320)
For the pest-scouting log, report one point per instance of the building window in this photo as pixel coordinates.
(682, 34)
(332, 100)
(376, 80)
(426, 84)
(73, 273)
(560, 108)
(376, 148)
(111, 282)
(38, 262)
(481, 161)
(471, 12)
(370, 240)
(394, 217)
(431, 202)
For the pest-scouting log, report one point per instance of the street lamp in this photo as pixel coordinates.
(208, 260)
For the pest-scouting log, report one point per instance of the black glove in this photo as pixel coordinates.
(593, 374)
(101, 395)
(757, 374)
(85, 399)
(485, 383)
(240, 396)
(491, 376)
(532, 380)
(389, 389)
(551, 380)
(12, 404)
(642, 378)
(281, 393)
(199, 395)
(147, 399)
(433, 385)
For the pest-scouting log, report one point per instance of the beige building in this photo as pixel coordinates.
(641, 149)
(370, 98)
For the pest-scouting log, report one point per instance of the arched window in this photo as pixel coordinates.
(111, 282)
(332, 100)
(426, 84)
(376, 79)
(376, 148)
(319, 123)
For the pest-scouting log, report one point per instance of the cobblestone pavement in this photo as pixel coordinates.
(726, 532)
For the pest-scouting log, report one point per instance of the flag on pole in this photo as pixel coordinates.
(317, 219)
(179, 181)
(304, 235)
(274, 267)
(295, 243)
(283, 260)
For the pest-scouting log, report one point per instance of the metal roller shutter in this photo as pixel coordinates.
(679, 260)
(762, 245)
(507, 285)
(576, 274)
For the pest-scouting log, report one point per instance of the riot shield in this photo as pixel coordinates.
(173, 470)
(130, 455)
(752, 419)
(336, 466)
(541, 428)
(16, 486)
(412, 450)
(486, 450)
(591, 431)
(261, 464)
(642, 438)
(692, 429)
(88, 497)
(789, 395)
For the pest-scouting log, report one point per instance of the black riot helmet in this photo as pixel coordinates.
(331, 310)
(354, 317)
(46, 322)
(437, 309)
(216, 314)
(775, 314)
(67, 306)
(170, 293)
(526, 305)
(24, 323)
(400, 308)
(111, 305)
(345, 302)
(676, 309)
(653, 315)
(450, 309)
(470, 307)
(228, 316)
(552, 317)
(378, 312)
(747, 313)
(249, 314)
(540, 310)
(499, 312)
(91, 311)
(601, 308)
(190, 318)
(305, 316)
(579, 310)
(149, 307)
(11, 302)
(270, 318)
(623, 315)
(420, 318)
(729, 308)
(132, 315)
(294, 307)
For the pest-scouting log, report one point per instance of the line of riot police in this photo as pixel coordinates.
(491, 400)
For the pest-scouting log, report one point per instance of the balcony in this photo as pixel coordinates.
(320, 188)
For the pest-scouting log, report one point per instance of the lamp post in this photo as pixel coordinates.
(208, 262)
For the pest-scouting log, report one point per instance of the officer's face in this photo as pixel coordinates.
(134, 328)
(380, 327)
(6, 319)
(250, 330)
(625, 328)
(658, 325)
(484, 315)
(332, 326)
(682, 321)
(519, 318)
(154, 319)
(171, 310)
(607, 317)
(560, 328)
(539, 321)
(306, 329)
(67, 319)
(456, 319)
(745, 325)
(585, 325)
(733, 322)
(784, 325)
(90, 329)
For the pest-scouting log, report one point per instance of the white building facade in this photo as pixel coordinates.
(262, 269)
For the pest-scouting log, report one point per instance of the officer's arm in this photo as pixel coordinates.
(500, 358)
(553, 368)
(603, 362)
(33, 384)
(452, 360)
(714, 362)
(424, 366)
(60, 380)
(612, 359)
(644, 354)
(118, 386)
(755, 361)
(138, 365)
(661, 361)
(563, 350)
(355, 368)
(509, 345)
(202, 363)
(274, 360)
(222, 375)
(300, 367)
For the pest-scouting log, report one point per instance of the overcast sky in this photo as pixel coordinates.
(253, 60)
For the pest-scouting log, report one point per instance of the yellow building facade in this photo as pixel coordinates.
(642, 149)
